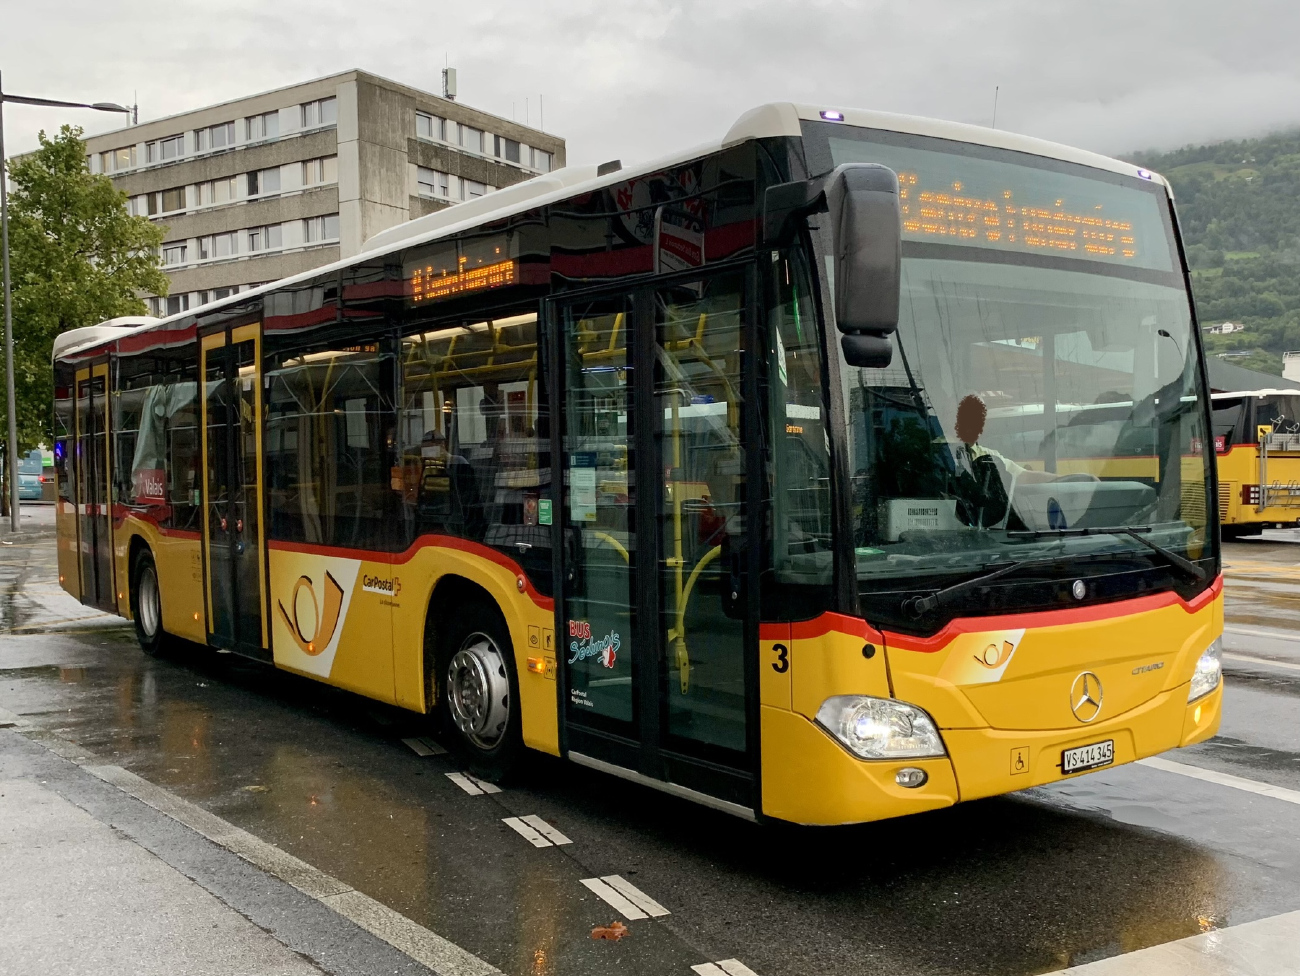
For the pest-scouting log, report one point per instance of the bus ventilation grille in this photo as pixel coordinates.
(1193, 503)
(1225, 498)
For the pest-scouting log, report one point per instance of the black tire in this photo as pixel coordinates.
(146, 605)
(477, 690)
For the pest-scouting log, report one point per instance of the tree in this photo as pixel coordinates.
(77, 257)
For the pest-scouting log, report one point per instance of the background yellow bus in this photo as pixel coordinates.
(700, 472)
(1257, 446)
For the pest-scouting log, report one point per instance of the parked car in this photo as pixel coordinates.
(30, 476)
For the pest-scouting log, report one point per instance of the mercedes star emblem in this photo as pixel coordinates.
(1079, 590)
(1085, 697)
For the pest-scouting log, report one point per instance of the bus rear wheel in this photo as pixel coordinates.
(480, 691)
(146, 605)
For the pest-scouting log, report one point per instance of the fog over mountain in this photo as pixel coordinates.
(635, 78)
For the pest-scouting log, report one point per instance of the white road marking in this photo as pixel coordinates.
(546, 830)
(726, 967)
(613, 898)
(527, 832)
(635, 895)
(1223, 779)
(424, 746)
(472, 785)
(426, 947)
(1272, 635)
(1266, 947)
(1249, 659)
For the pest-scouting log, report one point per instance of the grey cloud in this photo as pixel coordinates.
(637, 79)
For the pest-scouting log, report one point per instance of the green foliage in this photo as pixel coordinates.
(1239, 209)
(77, 257)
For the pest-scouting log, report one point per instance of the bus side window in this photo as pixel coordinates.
(475, 437)
(63, 437)
(329, 431)
(799, 450)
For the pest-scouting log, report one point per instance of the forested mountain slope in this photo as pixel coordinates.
(1239, 207)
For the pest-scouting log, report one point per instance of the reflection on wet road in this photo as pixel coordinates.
(1105, 864)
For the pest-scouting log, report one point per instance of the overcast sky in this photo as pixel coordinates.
(638, 78)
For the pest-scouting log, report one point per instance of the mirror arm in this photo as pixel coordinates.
(786, 204)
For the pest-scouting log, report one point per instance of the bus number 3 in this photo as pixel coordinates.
(782, 663)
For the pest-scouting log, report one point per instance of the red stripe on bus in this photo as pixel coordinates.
(423, 542)
(119, 519)
(1054, 618)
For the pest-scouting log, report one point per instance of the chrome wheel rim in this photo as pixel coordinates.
(148, 606)
(478, 691)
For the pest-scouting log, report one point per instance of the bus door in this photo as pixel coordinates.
(231, 367)
(95, 543)
(651, 610)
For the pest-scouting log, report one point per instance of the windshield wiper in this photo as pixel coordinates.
(919, 605)
(1133, 532)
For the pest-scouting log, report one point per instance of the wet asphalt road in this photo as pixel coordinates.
(1108, 863)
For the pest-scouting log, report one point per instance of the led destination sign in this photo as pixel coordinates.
(953, 198)
(429, 283)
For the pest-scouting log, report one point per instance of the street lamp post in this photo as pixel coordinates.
(11, 460)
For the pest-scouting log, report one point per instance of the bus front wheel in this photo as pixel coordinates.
(146, 605)
(480, 690)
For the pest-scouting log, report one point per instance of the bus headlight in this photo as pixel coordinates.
(1208, 673)
(880, 728)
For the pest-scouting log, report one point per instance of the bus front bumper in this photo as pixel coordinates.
(809, 778)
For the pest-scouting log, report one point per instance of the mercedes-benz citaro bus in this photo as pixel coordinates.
(850, 466)
(1257, 445)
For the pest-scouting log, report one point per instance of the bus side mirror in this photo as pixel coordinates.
(867, 234)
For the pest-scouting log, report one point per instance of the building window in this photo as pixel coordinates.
(220, 293)
(323, 111)
(323, 170)
(507, 149)
(264, 238)
(177, 304)
(117, 160)
(317, 229)
(430, 126)
(172, 147)
(214, 137)
(265, 126)
(542, 161)
(264, 181)
(173, 254)
(218, 191)
(471, 138)
(470, 189)
(432, 183)
(173, 199)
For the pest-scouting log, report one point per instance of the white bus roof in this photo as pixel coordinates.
(767, 121)
(94, 335)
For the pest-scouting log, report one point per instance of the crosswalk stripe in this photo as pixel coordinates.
(613, 899)
(1223, 779)
(526, 831)
(725, 967)
(545, 829)
(472, 785)
(635, 895)
(424, 746)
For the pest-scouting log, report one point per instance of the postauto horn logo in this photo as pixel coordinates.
(325, 619)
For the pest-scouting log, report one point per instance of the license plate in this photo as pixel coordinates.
(1082, 758)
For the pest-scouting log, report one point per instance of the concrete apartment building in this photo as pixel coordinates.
(263, 187)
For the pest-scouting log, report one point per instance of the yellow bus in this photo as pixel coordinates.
(680, 471)
(1257, 445)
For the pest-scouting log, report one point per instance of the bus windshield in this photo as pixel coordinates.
(1045, 383)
